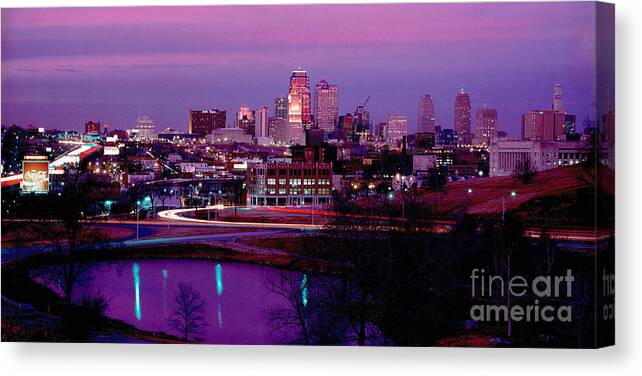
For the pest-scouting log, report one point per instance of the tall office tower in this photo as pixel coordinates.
(557, 98)
(543, 125)
(281, 108)
(361, 121)
(145, 128)
(299, 114)
(380, 130)
(426, 118)
(92, 127)
(462, 117)
(345, 127)
(205, 121)
(277, 129)
(396, 129)
(326, 106)
(261, 122)
(245, 120)
(486, 126)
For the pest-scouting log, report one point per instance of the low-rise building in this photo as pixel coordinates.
(544, 154)
(289, 184)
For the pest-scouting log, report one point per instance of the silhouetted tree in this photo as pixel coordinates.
(188, 316)
(525, 170)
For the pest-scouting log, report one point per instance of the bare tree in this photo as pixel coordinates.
(69, 232)
(525, 170)
(188, 316)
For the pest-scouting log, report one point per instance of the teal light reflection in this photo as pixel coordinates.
(165, 275)
(135, 271)
(219, 279)
(219, 292)
(304, 290)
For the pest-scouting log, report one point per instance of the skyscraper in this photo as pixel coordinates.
(281, 108)
(557, 98)
(486, 126)
(426, 118)
(146, 128)
(462, 117)
(395, 130)
(326, 106)
(261, 122)
(361, 121)
(205, 121)
(299, 115)
(245, 120)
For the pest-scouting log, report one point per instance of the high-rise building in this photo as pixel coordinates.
(361, 121)
(549, 124)
(92, 127)
(462, 117)
(145, 128)
(299, 114)
(326, 106)
(557, 98)
(486, 127)
(543, 125)
(345, 127)
(281, 108)
(396, 129)
(245, 120)
(426, 118)
(278, 130)
(205, 121)
(261, 122)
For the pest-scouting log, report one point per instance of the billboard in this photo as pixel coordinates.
(111, 150)
(35, 176)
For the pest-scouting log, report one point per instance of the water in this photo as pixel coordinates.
(237, 299)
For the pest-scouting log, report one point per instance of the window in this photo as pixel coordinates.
(271, 181)
(281, 181)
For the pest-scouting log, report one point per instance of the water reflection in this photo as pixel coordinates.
(135, 271)
(219, 292)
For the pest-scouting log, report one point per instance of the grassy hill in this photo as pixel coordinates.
(564, 195)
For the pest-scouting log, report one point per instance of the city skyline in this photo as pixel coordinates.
(120, 74)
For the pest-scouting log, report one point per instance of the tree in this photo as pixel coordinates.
(69, 233)
(525, 170)
(188, 316)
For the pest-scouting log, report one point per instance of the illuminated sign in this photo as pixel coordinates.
(35, 176)
(111, 150)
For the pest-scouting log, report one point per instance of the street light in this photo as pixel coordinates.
(137, 206)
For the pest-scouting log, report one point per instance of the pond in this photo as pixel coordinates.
(237, 298)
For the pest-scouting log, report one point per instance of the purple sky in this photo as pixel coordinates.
(62, 67)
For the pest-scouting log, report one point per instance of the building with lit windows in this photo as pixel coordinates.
(486, 126)
(299, 107)
(462, 117)
(145, 128)
(289, 184)
(204, 122)
(395, 129)
(545, 155)
(326, 106)
(426, 117)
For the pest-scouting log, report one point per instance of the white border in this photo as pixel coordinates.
(625, 358)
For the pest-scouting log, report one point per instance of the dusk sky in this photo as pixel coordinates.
(63, 67)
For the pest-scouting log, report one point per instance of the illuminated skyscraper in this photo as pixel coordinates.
(261, 122)
(462, 117)
(245, 120)
(486, 126)
(326, 106)
(426, 118)
(299, 114)
(281, 108)
(145, 128)
(396, 128)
